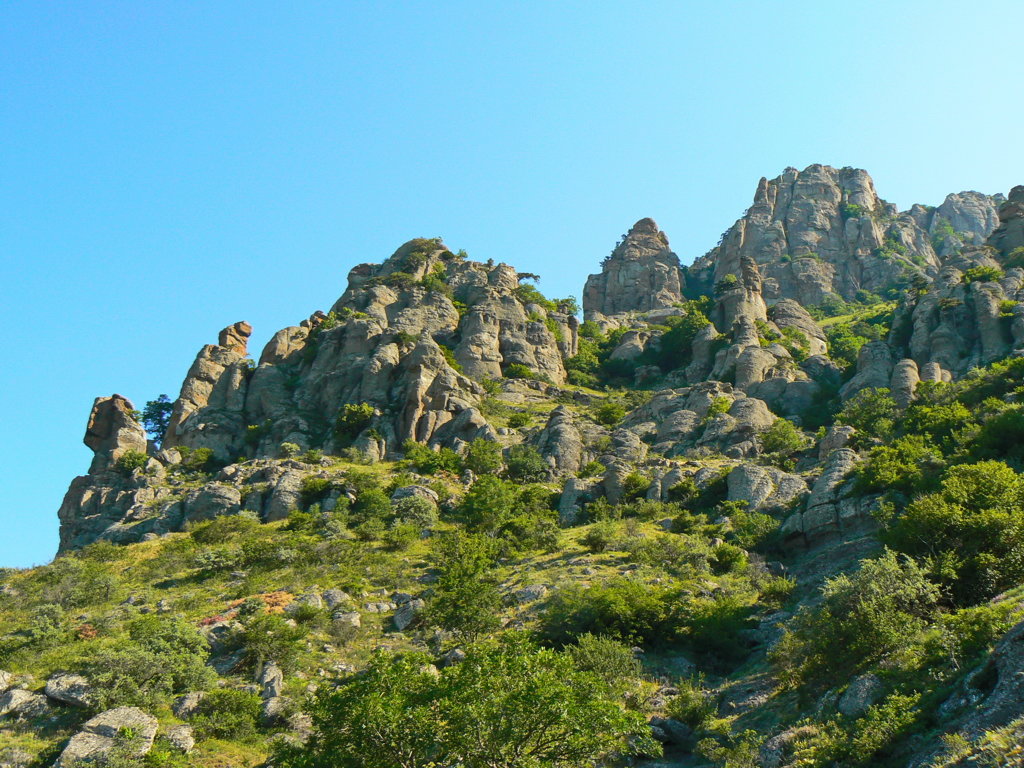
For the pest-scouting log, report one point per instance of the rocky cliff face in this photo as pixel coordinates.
(825, 231)
(408, 351)
(640, 275)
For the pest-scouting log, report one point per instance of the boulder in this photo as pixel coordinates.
(112, 431)
(407, 614)
(860, 695)
(22, 704)
(560, 442)
(71, 689)
(102, 733)
(181, 738)
(271, 680)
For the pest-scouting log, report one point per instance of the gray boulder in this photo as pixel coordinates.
(71, 689)
(102, 733)
(407, 614)
(181, 738)
(860, 695)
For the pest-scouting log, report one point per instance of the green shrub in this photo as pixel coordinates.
(465, 600)
(861, 619)
(314, 489)
(416, 510)
(484, 457)
(518, 420)
(872, 412)
(609, 659)
(129, 461)
(401, 535)
(982, 275)
(161, 657)
(719, 406)
(610, 413)
(269, 637)
(695, 704)
(525, 463)
(222, 528)
(289, 450)
(227, 713)
(518, 371)
(428, 461)
(352, 419)
(621, 608)
(600, 537)
(783, 438)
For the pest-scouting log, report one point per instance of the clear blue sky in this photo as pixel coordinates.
(168, 168)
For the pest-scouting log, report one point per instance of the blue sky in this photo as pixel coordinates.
(170, 168)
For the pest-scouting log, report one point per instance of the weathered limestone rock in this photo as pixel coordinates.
(821, 231)
(860, 695)
(407, 614)
(764, 488)
(271, 680)
(904, 380)
(71, 689)
(113, 430)
(788, 314)
(22, 704)
(560, 442)
(1009, 235)
(874, 369)
(641, 274)
(100, 734)
(209, 412)
(181, 738)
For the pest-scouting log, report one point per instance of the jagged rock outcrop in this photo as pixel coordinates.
(641, 274)
(968, 316)
(560, 442)
(825, 231)
(112, 431)
(1009, 235)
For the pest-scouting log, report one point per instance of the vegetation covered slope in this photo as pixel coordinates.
(447, 524)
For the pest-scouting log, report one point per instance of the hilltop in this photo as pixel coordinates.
(766, 510)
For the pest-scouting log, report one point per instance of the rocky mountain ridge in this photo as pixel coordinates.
(734, 393)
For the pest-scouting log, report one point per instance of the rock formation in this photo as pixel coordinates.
(641, 274)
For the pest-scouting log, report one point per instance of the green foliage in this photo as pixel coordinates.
(507, 705)
(718, 406)
(872, 412)
(227, 713)
(675, 347)
(609, 659)
(160, 657)
(465, 600)
(289, 450)
(694, 705)
(428, 461)
(314, 489)
(352, 419)
(269, 637)
(970, 533)
(129, 461)
(861, 619)
(449, 357)
(783, 438)
(222, 528)
(483, 457)
(982, 275)
(727, 283)
(156, 416)
(620, 608)
(525, 463)
(528, 294)
(518, 371)
(610, 413)
(907, 465)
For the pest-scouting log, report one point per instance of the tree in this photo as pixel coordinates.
(872, 412)
(484, 457)
(466, 599)
(507, 705)
(156, 416)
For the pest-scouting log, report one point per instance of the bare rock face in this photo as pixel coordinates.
(1009, 235)
(961, 321)
(209, 412)
(641, 274)
(821, 231)
(964, 218)
(113, 430)
(560, 442)
(788, 314)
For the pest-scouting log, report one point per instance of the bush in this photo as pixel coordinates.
(982, 275)
(483, 457)
(971, 532)
(525, 463)
(783, 438)
(269, 637)
(872, 412)
(222, 528)
(161, 657)
(908, 465)
(416, 510)
(352, 419)
(506, 705)
(465, 600)
(314, 489)
(694, 705)
(610, 413)
(129, 461)
(862, 618)
(601, 536)
(289, 450)
(518, 371)
(620, 608)
(518, 420)
(609, 659)
(227, 713)
(428, 461)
